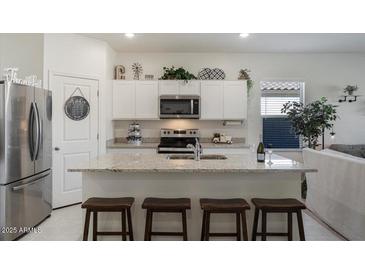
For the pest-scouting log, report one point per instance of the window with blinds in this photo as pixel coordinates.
(277, 128)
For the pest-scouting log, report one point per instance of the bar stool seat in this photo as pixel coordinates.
(171, 205)
(99, 204)
(109, 204)
(166, 203)
(224, 204)
(236, 206)
(288, 206)
(278, 204)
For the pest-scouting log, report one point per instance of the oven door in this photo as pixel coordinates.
(172, 107)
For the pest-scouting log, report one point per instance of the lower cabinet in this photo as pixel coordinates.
(152, 151)
(226, 151)
(132, 150)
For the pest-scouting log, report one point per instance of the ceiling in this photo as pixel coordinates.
(233, 43)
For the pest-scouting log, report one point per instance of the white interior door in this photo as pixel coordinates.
(73, 141)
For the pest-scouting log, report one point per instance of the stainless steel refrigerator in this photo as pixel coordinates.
(25, 158)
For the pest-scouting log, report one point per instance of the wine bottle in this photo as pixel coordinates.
(261, 152)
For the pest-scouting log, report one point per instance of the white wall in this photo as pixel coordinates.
(324, 75)
(24, 51)
(79, 55)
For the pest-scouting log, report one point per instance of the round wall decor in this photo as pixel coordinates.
(77, 107)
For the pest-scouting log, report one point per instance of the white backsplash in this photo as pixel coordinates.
(151, 129)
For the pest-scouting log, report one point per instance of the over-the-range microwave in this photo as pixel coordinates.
(179, 107)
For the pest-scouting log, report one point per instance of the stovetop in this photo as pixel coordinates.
(176, 140)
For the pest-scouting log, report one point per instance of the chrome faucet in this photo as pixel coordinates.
(197, 149)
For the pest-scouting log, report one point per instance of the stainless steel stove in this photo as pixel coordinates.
(176, 140)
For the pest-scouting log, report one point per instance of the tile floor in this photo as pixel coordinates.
(66, 225)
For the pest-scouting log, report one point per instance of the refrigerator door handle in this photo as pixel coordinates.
(38, 125)
(30, 131)
(31, 182)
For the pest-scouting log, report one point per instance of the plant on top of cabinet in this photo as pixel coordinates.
(137, 70)
(177, 74)
(244, 75)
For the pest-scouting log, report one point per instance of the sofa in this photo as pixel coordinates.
(336, 193)
(354, 150)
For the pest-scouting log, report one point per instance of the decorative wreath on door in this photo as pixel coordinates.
(77, 107)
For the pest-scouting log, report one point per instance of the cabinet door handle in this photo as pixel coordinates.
(56, 148)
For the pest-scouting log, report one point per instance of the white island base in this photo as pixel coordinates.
(193, 185)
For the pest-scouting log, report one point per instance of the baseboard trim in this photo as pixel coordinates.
(79, 203)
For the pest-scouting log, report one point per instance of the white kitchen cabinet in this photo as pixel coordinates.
(136, 150)
(220, 100)
(168, 87)
(178, 87)
(189, 88)
(211, 93)
(235, 100)
(124, 99)
(146, 100)
(226, 151)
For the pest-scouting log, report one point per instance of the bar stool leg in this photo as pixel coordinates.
(95, 225)
(255, 224)
(244, 225)
(150, 226)
(290, 226)
(203, 226)
(147, 233)
(263, 225)
(300, 225)
(185, 228)
(130, 228)
(238, 226)
(207, 224)
(86, 226)
(124, 226)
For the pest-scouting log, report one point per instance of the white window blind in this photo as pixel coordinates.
(271, 106)
(277, 128)
(275, 94)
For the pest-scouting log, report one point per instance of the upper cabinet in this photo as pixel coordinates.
(223, 100)
(189, 88)
(211, 100)
(135, 100)
(146, 100)
(172, 87)
(235, 100)
(124, 99)
(220, 100)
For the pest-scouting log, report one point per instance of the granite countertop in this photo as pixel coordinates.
(154, 142)
(239, 163)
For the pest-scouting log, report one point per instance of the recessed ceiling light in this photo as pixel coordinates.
(244, 35)
(129, 35)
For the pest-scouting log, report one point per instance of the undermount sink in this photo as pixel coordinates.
(202, 157)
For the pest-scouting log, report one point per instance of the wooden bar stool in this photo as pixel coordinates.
(178, 205)
(288, 206)
(96, 205)
(235, 206)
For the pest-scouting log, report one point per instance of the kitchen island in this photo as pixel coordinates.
(141, 176)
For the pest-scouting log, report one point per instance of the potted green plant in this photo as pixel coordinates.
(310, 121)
(350, 89)
(177, 74)
(244, 75)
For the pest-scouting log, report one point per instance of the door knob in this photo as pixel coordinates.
(56, 148)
